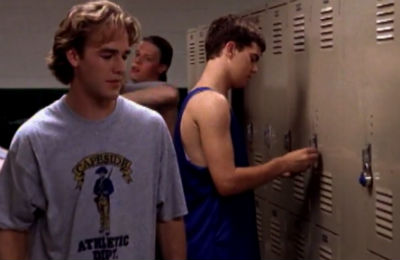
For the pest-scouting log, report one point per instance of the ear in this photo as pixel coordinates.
(162, 68)
(230, 49)
(73, 57)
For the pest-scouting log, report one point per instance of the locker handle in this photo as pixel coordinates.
(366, 178)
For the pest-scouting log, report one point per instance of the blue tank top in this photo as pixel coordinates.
(217, 227)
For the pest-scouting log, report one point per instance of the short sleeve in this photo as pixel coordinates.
(21, 195)
(170, 201)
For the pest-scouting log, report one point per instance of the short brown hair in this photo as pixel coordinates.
(234, 28)
(75, 28)
(166, 52)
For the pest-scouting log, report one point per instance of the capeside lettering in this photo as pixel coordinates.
(98, 159)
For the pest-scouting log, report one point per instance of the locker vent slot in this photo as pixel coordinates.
(275, 236)
(385, 20)
(202, 52)
(259, 218)
(300, 245)
(192, 53)
(384, 213)
(378, 256)
(325, 252)
(277, 184)
(326, 192)
(299, 36)
(326, 26)
(258, 158)
(299, 184)
(277, 37)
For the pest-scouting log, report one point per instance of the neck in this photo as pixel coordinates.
(87, 106)
(215, 76)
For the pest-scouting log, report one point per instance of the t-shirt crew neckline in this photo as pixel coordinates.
(75, 116)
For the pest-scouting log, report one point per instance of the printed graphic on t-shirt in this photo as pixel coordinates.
(106, 167)
(103, 189)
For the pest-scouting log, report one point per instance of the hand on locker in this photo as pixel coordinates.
(299, 160)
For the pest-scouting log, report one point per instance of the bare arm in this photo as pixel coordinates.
(213, 120)
(164, 99)
(156, 97)
(13, 244)
(172, 239)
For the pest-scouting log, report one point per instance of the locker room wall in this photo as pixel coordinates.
(27, 28)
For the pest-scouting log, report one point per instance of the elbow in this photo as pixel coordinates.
(225, 189)
(173, 96)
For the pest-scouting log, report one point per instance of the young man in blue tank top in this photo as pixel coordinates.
(77, 182)
(217, 181)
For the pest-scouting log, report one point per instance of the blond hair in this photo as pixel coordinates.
(80, 22)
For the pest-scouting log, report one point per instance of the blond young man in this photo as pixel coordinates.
(210, 147)
(93, 175)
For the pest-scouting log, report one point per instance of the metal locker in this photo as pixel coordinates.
(275, 246)
(201, 49)
(375, 51)
(298, 237)
(261, 220)
(252, 105)
(274, 121)
(330, 107)
(299, 123)
(356, 27)
(191, 56)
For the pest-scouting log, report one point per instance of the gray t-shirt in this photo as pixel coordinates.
(91, 189)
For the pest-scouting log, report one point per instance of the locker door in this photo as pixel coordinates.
(358, 27)
(332, 108)
(382, 95)
(298, 237)
(191, 56)
(275, 246)
(275, 120)
(298, 132)
(252, 106)
(262, 209)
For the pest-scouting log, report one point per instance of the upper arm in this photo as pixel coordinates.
(13, 244)
(172, 239)
(213, 120)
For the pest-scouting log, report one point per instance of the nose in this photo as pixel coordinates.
(119, 65)
(254, 69)
(137, 59)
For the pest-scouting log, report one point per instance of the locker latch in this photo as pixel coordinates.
(316, 167)
(288, 141)
(365, 178)
(249, 132)
(314, 141)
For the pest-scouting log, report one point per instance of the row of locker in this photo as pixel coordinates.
(328, 78)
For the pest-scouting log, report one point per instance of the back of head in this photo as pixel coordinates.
(77, 26)
(234, 28)
(166, 52)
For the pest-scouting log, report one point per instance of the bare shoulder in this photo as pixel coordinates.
(208, 105)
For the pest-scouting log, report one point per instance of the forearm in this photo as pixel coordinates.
(247, 178)
(172, 239)
(13, 244)
(154, 97)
